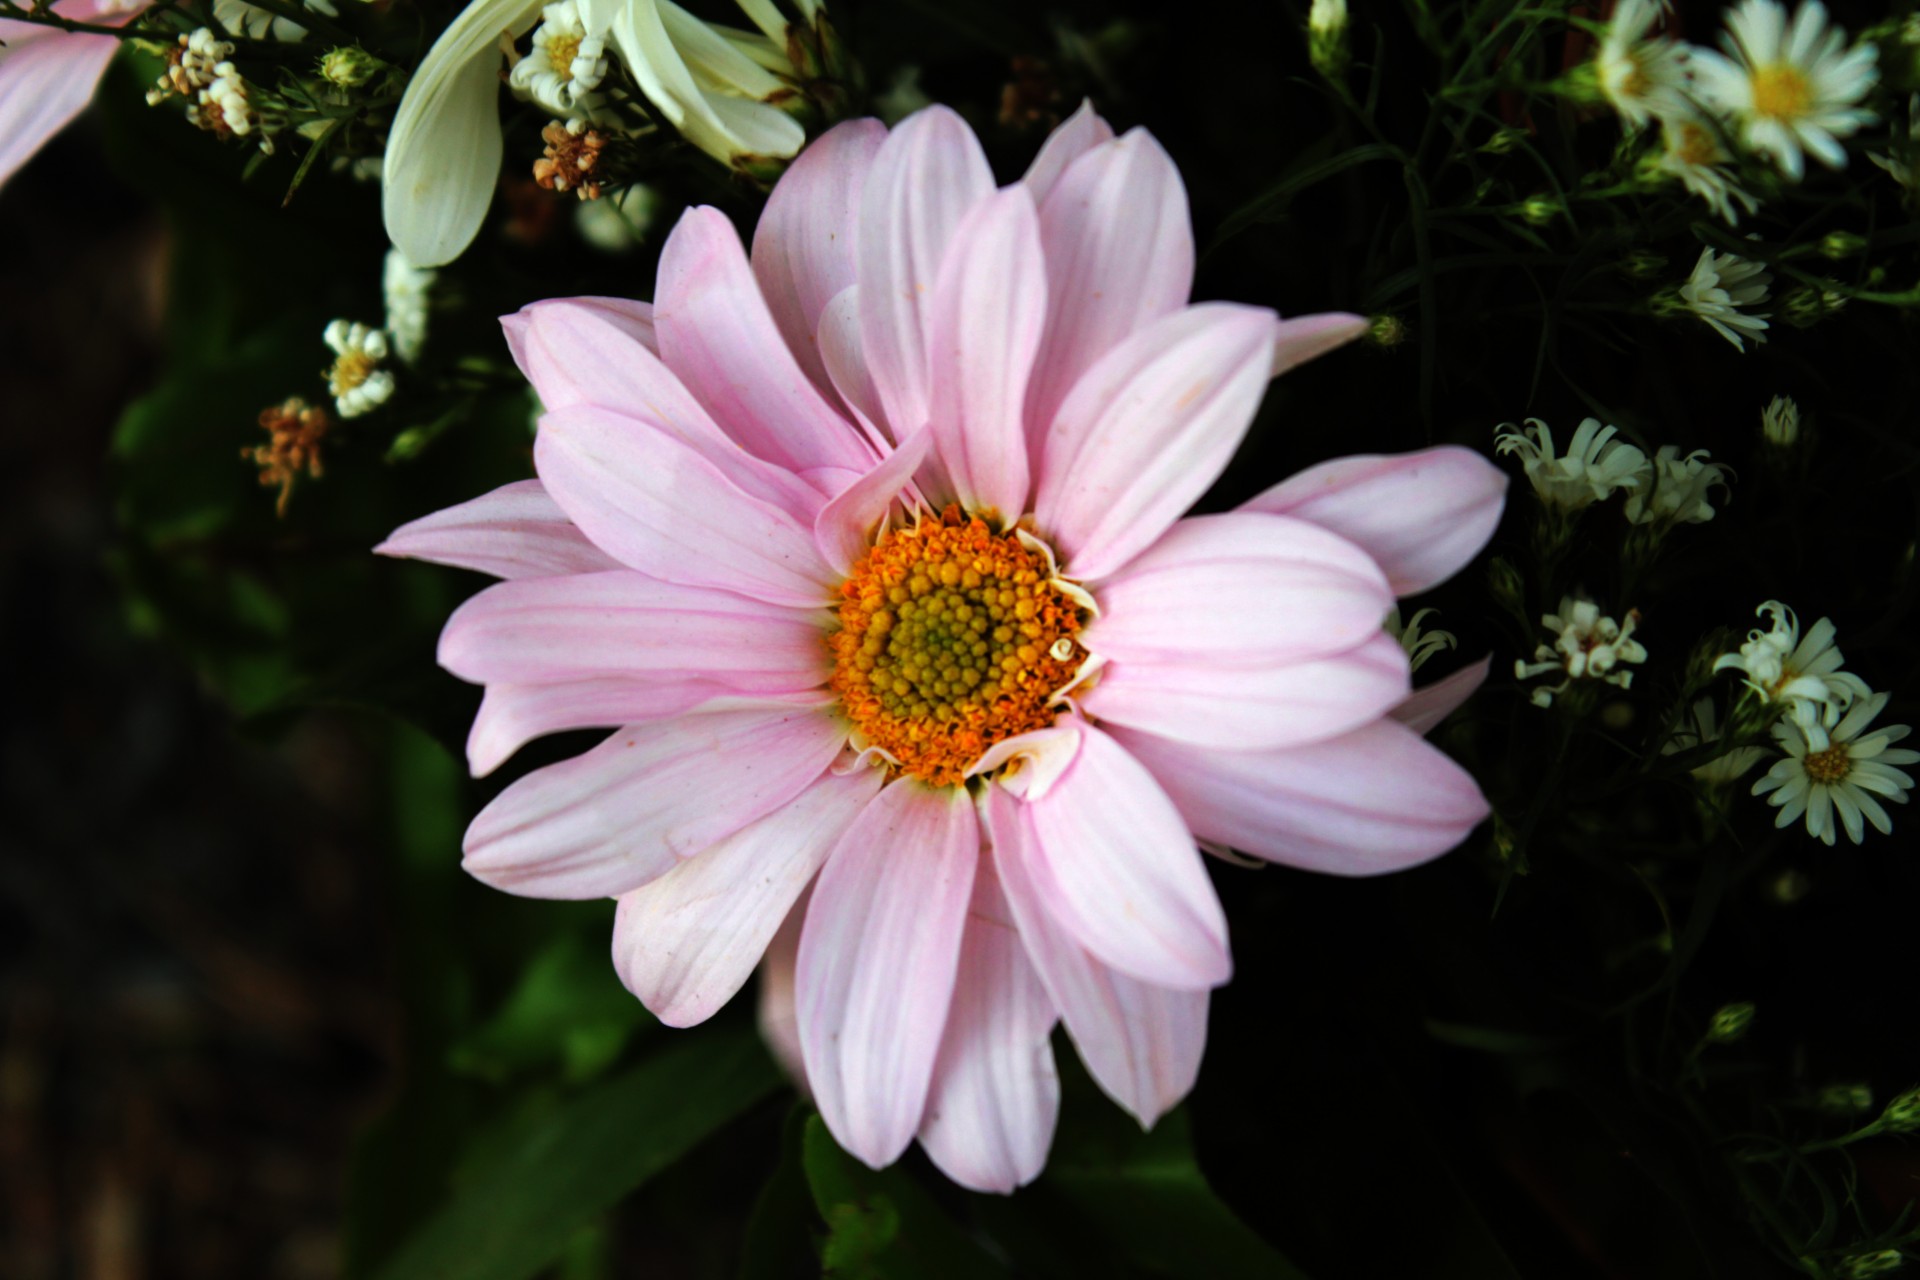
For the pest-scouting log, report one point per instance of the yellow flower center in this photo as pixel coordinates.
(1695, 146)
(1781, 91)
(561, 51)
(951, 638)
(1829, 766)
(349, 371)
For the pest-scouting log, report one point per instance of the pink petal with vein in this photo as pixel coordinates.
(517, 531)
(1428, 705)
(1305, 338)
(512, 715)
(1082, 132)
(47, 77)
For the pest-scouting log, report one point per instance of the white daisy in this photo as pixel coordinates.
(1692, 153)
(356, 381)
(1586, 646)
(1593, 467)
(1643, 79)
(1790, 87)
(1698, 728)
(1780, 422)
(565, 66)
(1721, 284)
(1676, 490)
(1803, 672)
(1844, 775)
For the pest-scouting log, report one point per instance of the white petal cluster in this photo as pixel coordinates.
(1840, 773)
(1676, 490)
(1802, 673)
(1699, 728)
(1692, 153)
(566, 65)
(1643, 79)
(195, 67)
(1587, 646)
(1593, 467)
(405, 288)
(1721, 286)
(356, 381)
(255, 23)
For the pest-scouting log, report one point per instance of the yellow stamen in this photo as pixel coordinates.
(1782, 91)
(349, 371)
(1696, 146)
(951, 638)
(1829, 766)
(561, 51)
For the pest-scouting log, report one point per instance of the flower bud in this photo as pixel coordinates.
(1644, 264)
(1730, 1022)
(1538, 211)
(1327, 37)
(1780, 422)
(349, 66)
(1903, 1113)
(1843, 1099)
(1386, 330)
(1841, 244)
(1878, 1263)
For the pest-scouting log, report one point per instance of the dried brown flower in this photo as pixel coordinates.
(295, 430)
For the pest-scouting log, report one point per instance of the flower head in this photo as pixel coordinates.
(1780, 422)
(356, 381)
(1791, 87)
(1643, 79)
(1587, 646)
(1676, 490)
(870, 549)
(1722, 284)
(1691, 152)
(1593, 467)
(1840, 772)
(1802, 672)
(565, 66)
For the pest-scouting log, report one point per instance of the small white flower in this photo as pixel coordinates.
(1780, 422)
(255, 23)
(356, 381)
(1592, 468)
(1691, 152)
(1676, 490)
(193, 68)
(1698, 729)
(1842, 772)
(1790, 88)
(1721, 284)
(567, 63)
(405, 287)
(1587, 646)
(1419, 645)
(1643, 79)
(1802, 672)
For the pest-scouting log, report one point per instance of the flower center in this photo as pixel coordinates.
(1829, 766)
(1782, 91)
(1696, 146)
(951, 638)
(352, 368)
(561, 51)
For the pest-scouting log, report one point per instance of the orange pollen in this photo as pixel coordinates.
(951, 638)
(1829, 766)
(1782, 91)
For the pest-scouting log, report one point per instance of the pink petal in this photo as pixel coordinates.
(846, 524)
(46, 79)
(846, 366)
(1147, 431)
(512, 715)
(685, 943)
(663, 509)
(776, 1012)
(878, 956)
(1305, 338)
(1119, 245)
(1422, 515)
(985, 322)
(625, 812)
(1375, 800)
(927, 175)
(995, 1094)
(588, 626)
(516, 531)
(803, 246)
(1080, 133)
(1119, 870)
(1427, 706)
(1237, 709)
(717, 334)
(635, 319)
(1141, 1043)
(1240, 591)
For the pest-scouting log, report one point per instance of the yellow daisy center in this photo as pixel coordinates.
(1695, 146)
(1781, 91)
(1829, 766)
(561, 51)
(349, 371)
(951, 638)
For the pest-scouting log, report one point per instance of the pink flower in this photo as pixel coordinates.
(47, 76)
(872, 544)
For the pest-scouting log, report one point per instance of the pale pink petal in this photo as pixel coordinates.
(1120, 871)
(803, 245)
(633, 318)
(627, 811)
(685, 943)
(1147, 431)
(776, 1012)
(927, 175)
(588, 626)
(1305, 338)
(839, 338)
(1119, 245)
(1375, 800)
(1428, 705)
(1422, 515)
(986, 317)
(1080, 133)
(1141, 1043)
(661, 508)
(46, 79)
(516, 531)
(844, 528)
(1250, 710)
(995, 1094)
(512, 715)
(878, 956)
(1239, 591)
(716, 333)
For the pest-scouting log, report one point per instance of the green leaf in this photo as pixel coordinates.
(516, 1211)
(881, 1225)
(568, 1005)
